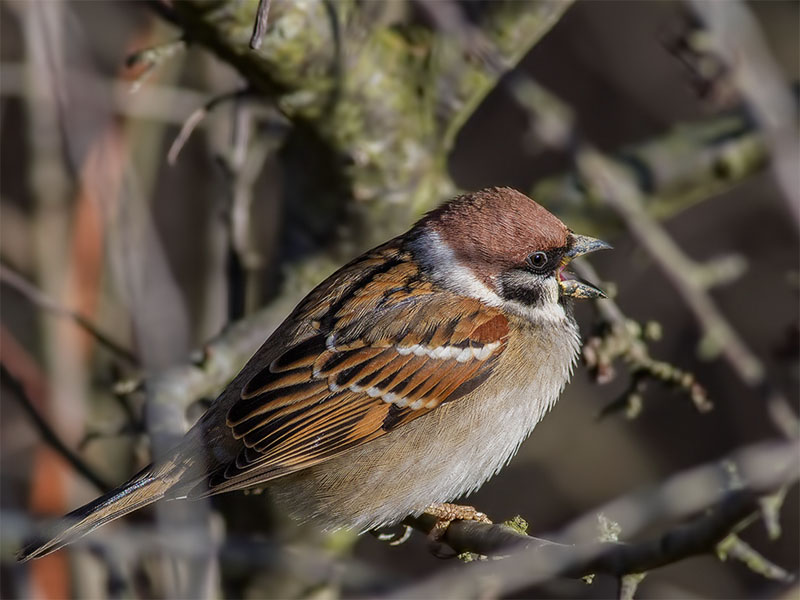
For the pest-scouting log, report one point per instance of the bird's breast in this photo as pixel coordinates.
(447, 453)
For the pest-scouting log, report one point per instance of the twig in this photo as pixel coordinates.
(628, 585)
(623, 196)
(736, 548)
(625, 338)
(39, 298)
(48, 434)
(260, 25)
(196, 117)
(770, 512)
(250, 148)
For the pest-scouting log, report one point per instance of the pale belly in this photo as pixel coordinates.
(445, 454)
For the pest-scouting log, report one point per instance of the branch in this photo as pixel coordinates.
(49, 436)
(472, 58)
(354, 81)
(219, 360)
(686, 165)
(735, 35)
(703, 490)
(737, 549)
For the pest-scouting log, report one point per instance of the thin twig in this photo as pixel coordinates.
(48, 434)
(42, 300)
(626, 339)
(260, 25)
(628, 584)
(242, 164)
(737, 549)
(623, 196)
(196, 117)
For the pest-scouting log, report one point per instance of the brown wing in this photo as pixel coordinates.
(351, 383)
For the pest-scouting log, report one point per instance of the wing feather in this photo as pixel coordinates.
(357, 378)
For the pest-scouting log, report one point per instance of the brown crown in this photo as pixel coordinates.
(495, 229)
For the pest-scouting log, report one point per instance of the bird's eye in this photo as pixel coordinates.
(537, 261)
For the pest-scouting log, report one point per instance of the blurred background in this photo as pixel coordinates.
(156, 198)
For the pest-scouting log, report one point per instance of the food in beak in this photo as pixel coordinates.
(571, 285)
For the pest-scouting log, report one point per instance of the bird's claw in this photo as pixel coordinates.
(445, 514)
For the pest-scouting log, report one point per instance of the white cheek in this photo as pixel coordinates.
(447, 271)
(549, 310)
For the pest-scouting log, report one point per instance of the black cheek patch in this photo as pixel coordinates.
(527, 295)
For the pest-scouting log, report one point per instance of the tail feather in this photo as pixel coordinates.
(144, 488)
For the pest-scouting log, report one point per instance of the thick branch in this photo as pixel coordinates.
(387, 100)
(689, 164)
(472, 58)
(698, 536)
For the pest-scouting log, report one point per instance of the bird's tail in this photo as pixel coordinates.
(144, 488)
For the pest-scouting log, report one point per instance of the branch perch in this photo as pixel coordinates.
(762, 468)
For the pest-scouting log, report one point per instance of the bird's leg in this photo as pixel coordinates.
(446, 513)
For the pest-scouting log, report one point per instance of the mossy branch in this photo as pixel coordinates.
(385, 97)
(686, 165)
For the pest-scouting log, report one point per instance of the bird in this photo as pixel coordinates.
(404, 380)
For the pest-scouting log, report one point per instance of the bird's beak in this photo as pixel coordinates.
(571, 285)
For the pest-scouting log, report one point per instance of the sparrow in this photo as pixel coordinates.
(406, 379)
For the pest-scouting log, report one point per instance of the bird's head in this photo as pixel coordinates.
(503, 248)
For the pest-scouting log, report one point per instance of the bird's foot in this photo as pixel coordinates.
(446, 513)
